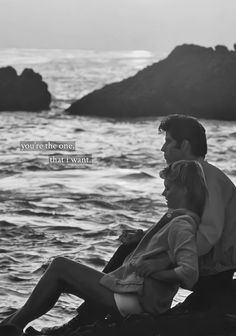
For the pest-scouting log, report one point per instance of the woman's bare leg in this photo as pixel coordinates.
(63, 276)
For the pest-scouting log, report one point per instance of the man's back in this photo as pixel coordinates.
(218, 227)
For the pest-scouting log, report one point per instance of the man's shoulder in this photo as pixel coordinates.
(215, 174)
(207, 166)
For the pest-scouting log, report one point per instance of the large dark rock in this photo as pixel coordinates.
(192, 80)
(26, 92)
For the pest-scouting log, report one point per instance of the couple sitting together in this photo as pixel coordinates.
(193, 245)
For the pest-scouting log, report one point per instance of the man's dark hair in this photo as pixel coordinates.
(183, 127)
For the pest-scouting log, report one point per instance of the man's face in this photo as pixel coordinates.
(171, 150)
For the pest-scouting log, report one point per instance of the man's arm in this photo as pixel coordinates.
(212, 222)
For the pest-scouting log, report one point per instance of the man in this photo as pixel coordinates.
(216, 238)
(185, 139)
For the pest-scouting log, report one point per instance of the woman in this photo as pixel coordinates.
(145, 282)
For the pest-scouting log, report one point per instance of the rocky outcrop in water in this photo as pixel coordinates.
(24, 92)
(192, 80)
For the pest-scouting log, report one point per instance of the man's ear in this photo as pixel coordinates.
(185, 146)
(185, 192)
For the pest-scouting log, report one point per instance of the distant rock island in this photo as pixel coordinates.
(26, 92)
(192, 80)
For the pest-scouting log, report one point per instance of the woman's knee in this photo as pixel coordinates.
(58, 264)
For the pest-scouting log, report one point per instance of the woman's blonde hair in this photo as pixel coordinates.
(189, 174)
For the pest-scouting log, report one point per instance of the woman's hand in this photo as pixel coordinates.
(131, 236)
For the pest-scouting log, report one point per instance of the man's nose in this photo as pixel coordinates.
(163, 148)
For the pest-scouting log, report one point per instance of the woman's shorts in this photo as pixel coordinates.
(127, 304)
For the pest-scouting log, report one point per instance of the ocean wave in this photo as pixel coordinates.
(96, 234)
(79, 130)
(53, 186)
(102, 204)
(95, 260)
(6, 224)
(35, 164)
(7, 172)
(8, 260)
(233, 172)
(137, 176)
(46, 213)
(121, 161)
(17, 278)
(136, 204)
(25, 231)
(14, 292)
(68, 228)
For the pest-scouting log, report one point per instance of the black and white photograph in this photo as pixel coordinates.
(118, 167)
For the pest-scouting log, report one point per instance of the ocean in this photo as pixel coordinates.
(79, 210)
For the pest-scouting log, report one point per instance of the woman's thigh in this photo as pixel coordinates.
(83, 281)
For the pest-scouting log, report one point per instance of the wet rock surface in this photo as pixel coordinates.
(203, 318)
(192, 80)
(24, 92)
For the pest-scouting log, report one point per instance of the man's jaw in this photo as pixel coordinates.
(167, 160)
(165, 157)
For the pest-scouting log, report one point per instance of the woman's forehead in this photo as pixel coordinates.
(169, 183)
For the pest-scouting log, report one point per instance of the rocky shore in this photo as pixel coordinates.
(197, 316)
(192, 80)
(24, 92)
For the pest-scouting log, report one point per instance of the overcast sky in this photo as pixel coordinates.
(156, 25)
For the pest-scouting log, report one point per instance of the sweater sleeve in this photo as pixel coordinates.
(183, 250)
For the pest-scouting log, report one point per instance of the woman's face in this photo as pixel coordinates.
(175, 195)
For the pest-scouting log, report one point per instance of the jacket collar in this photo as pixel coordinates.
(182, 211)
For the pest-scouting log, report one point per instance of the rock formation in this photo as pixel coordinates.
(192, 80)
(26, 92)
